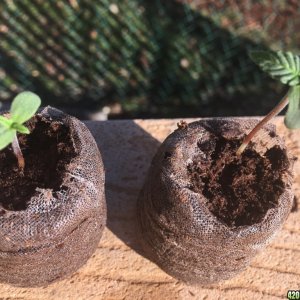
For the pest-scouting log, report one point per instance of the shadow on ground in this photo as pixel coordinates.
(127, 150)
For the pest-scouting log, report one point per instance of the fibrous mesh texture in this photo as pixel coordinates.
(57, 231)
(179, 232)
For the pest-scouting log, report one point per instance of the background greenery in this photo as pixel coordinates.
(148, 58)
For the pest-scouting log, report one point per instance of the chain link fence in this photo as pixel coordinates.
(152, 58)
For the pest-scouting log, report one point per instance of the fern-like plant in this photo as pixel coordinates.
(285, 67)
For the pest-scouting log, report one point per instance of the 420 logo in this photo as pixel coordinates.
(293, 294)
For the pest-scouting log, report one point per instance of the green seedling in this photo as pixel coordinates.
(23, 107)
(285, 67)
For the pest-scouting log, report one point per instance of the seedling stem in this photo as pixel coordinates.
(285, 67)
(18, 153)
(274, 112)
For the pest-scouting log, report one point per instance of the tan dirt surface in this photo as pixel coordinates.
(116, 270)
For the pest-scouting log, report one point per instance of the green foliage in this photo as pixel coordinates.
(23, 107)
(292, 117)
(283, 66)
(6, 136)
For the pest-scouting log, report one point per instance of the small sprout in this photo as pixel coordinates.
(285, 67)
(23, 107)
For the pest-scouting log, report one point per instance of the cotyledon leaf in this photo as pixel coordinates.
(24, 106)
(20, 128)
(7, 135)
(5, 121)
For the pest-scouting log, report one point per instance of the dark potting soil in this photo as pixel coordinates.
(47, 150)
(239, 190)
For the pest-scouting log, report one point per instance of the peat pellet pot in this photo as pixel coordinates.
(52, 215)
(205, 212)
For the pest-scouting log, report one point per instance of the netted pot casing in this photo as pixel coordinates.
(178, 231)
(57, 233)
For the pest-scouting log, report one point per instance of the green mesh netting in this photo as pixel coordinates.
(160, 57)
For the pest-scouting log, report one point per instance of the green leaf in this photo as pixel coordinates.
(292, 117)
(20, 128)
(6, 136)
(24, 106)
(5, 121)
(283, 66)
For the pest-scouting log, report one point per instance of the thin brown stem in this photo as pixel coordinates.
(18, 153)
(274, 112)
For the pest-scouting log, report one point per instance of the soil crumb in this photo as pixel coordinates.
(239, 190)
(47, 150)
